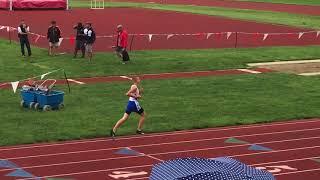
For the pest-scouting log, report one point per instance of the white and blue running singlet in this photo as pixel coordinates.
(133, 104)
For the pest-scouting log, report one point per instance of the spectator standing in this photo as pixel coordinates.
(90, 38)
(80, 40)
(122, 43)
(23, 31)
(53, 36)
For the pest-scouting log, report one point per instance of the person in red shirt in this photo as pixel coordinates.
(122, 43)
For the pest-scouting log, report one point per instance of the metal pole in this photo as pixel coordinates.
(67, 8)
(65, 76)
(131, 42)
(9, 35)
(236, 43)
(11, 4)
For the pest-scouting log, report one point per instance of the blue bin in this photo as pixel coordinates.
(53, 100)
(29, 98)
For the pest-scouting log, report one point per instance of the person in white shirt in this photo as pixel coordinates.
(90, 38)
(133, 106)
(23, 31)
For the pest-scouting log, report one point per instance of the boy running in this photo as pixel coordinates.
(133, 106)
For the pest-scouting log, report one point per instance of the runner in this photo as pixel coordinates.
(133, 106)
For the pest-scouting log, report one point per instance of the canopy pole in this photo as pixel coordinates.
(11, 5)
(67, 8)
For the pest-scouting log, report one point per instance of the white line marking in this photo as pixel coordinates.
(268, 152)
(284, 62)
(75, 81)
(158, 159)
(106, 170)
(139, 178)
(249, 71)
(295, 172)
(152, 157)
(161, 144)
(126, 77)
(290, 160)
(310, 74)
(163, 134)
(224, 147)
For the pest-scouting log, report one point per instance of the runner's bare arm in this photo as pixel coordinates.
(131, 92)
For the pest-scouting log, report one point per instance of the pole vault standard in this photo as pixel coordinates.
(67, 1)
(10, 5)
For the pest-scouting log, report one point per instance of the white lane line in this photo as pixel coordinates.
(161, 144)
(155, 154)
(139, 178)
(75, 81)
(226, 147)
(295, 172)
(164, 134)
(107, 170)
(290, 160)
(126, 77)
(249, 71)
(310, 74)
(152, 157)
(284, 62)
(268, 152)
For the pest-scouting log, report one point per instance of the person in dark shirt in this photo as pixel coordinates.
(90, 38)
(80, 40)
(23, 31)
(53, 36)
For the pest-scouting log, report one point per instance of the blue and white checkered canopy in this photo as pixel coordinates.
(222, 168)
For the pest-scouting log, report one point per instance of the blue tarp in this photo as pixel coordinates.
(222, 168)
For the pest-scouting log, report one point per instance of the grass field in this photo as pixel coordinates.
(174, 104)
(288, 19)
(300, 2)
(170, 104)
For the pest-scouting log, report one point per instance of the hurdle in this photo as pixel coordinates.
(97, 4)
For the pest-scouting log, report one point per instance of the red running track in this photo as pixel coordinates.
(277, 7)
(106, 79)
(146, 21)
(294, 144)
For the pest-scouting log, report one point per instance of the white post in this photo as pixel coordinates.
(10, 4)
(67, 8)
